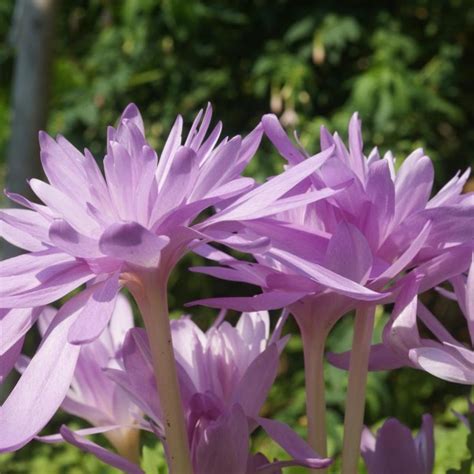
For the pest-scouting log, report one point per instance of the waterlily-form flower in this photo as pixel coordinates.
(354, 242)
(402, 345)
(225, 375)
(394, 449)
(92, 396)
(349, 250)
(100, 231)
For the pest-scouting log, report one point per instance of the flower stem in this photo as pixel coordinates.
(313, 349)
(151, 297)
(355, 404)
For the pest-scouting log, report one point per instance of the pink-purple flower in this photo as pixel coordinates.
(394, 450)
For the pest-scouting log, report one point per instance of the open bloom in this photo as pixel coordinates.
(394, 450)
(93, 397)
(375, 225)
(94, 230)
(402, 345)
(225, 375)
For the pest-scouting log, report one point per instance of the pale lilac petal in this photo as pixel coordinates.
(264, 301)
(14, 324)
(406, 258)
(267, 193)
(469, 304)
(65, 206)
(96, 313)
(133, 243)
(224, 446)
(413, 185)
(442, 364)
(402, 459)
(424, 443)
(367, 448)
(99, 452)
(24, 228)
(277, 135)
(293, 444)
(348, 253)
(67, 239)
(38, 279)
(9, 358)
(122, 320)
(260, 376)
(44, 383)
(171, 146)
(326, 277)
(381, 357)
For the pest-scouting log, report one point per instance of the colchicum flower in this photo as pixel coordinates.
(132, 225)
(225, 375)
(351, 249)
(394, 450)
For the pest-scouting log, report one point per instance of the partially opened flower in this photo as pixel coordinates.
(402, 344)
(394, 450)
(92, 396)
(225, 375)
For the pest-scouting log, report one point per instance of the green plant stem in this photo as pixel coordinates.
(313, 349)
(355, 402)
(151, 296)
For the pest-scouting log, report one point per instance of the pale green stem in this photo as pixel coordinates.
(355, 401)
(313, 349)
(151, 296)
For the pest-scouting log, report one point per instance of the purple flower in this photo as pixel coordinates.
(402, 345)
(225, 375)
(104, 232)
(373, 224)
(394, 449)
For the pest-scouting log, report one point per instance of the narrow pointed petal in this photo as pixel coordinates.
(293, 444)
(99, 452)
(267, 193)
(260, 375)
(96, 313)
(277, 135)
(44, 383)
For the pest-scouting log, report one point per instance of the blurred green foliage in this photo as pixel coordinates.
(407, 67)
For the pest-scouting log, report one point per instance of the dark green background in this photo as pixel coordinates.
(407, 67)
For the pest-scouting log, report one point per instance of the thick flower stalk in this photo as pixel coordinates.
(225, 375)
(350, 250)
(394, 449)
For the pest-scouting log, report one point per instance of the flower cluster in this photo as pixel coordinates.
(335, 232)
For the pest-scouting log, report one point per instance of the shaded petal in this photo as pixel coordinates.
(96, 313)
(348, 253)
(256, 382)
(424, 443)
(9, 358)
(133, 243)
(293, 444)
(277, 135)
(266, 194)
(44, 383)
(326, 277)
(67, 239)
(263, 301)
(99, 452)
(14, 324)
(224, 445)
